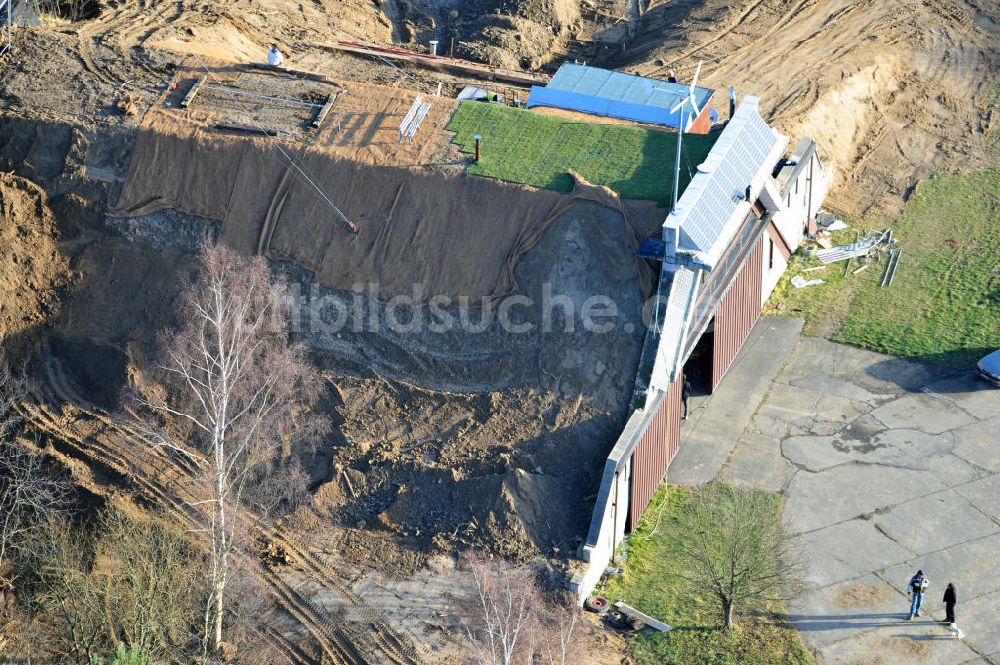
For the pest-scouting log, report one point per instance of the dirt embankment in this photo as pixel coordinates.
(892, 91)
(32, 269)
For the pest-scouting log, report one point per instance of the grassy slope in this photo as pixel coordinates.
(652, 583)
(944, 304)
(535, 149)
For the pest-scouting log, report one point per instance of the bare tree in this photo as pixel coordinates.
(558, 635)
(500, 618)
(234, 391)
(114, 580)
(145, 581)
(29, 493)
(738, 550)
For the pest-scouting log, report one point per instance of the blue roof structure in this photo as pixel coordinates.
(617, 95)
(746, 148)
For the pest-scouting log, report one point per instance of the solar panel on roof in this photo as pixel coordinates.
(713, 195)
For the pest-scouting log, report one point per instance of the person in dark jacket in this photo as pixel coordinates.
(950, 600)
(685, 395)
(917, 586)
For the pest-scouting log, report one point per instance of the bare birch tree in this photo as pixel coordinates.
(233, 391)
(559, 635)
(500, 618)
(738, 551)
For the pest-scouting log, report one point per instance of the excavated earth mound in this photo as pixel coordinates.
(31, 266)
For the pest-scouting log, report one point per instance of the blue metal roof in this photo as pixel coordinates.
(746, 148)
(616, 95)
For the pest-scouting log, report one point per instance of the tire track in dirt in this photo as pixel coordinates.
(294, 654)
(181, 470)
(90, 447)
(339, 644)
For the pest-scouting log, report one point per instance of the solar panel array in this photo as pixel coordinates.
(715, 192)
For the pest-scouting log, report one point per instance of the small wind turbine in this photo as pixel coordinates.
(682, 127)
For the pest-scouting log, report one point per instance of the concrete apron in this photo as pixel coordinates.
(716, 422)
(888, 466)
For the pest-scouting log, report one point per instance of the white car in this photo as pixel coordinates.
(989, 368)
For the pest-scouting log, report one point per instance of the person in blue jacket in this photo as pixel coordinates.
(916, 588)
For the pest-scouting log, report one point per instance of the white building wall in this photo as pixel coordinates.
(773, 266)
(597, 557)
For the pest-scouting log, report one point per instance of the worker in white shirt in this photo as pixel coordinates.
(274, 57)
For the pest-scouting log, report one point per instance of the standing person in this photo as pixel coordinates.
(918, 585)
(274, 56)
(671, 77)
(685, 394)
(950, 600)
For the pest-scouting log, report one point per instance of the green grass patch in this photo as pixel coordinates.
(652, 582)
(531, 148)
(944, 304)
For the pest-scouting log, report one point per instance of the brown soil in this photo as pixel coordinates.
(443, 442)
(864, 595)
(31, 266)
(891, 91)
(456, 441)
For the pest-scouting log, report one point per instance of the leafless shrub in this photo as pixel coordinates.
(739, 551)
(115, 580)
(69, 620)
(29, 493)
(148, 583)
(232, 386)
(70, 10)
(279, 489)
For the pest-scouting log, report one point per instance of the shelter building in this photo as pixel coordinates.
(721, 253)
(607, 93)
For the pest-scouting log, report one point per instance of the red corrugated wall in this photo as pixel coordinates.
(737, 313)
(702, 125)
(654, 453)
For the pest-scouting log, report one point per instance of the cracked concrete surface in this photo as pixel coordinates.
(888, 466)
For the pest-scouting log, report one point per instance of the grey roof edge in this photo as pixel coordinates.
(676, 321)
(557, 82)
(803, 152)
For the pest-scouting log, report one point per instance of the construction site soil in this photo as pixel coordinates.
(442, 441)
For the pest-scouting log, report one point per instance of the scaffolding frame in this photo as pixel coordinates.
(6, 29)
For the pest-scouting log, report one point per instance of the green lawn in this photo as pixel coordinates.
(652, 583)
(944, 304)
(535, 149)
